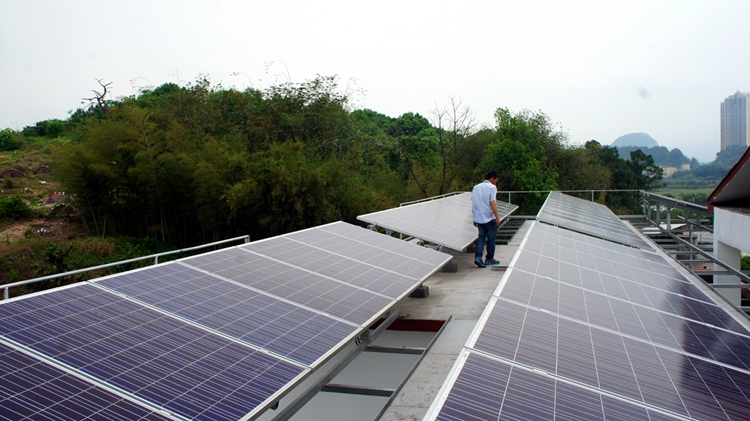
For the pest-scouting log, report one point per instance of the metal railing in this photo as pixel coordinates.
(6, 287)
(429, 199)
(592, 192)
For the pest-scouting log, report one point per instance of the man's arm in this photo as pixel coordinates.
(493, 205)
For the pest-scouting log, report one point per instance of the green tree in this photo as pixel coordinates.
(288, 188)
(55, 128)
(418, 149)
(582, 169)
(519, 156)
(9, 140)
(645, 173)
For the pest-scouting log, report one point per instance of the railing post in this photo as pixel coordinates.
(658, 213)
(669, 218)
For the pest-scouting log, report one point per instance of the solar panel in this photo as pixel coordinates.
(446, 221)
(261, 320)
(589, 218)
(648, 340)
(174, 365)
(304, 288)
(510, 392)
(32, 389)
(221, 335)
(343, 269)
(621, 273)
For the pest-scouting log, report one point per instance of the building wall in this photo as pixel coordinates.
(730, 238)
(734, 118)
(669, 171)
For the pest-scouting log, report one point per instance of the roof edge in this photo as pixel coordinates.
(728, 178)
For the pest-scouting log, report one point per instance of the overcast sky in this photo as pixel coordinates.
(599, 69)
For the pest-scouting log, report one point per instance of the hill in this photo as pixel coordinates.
(635, 139)
(661, 154)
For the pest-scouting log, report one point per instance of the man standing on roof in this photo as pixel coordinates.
(486, 218)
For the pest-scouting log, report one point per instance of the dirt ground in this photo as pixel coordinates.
(48, 227)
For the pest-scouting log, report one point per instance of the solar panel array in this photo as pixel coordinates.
(582, 328)
(589, 218)
(33, 389)
(446, 221)
(221, 335)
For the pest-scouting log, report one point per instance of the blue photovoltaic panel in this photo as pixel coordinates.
(374, 239)
(622, 273)
(177, 366)
(689, 336)
(446, 221)
(487, 389)
(359, 244)
(589, 218)
(606, 319)
(658, 377)
(375, 278)
(34, 390)
(221, 335)
(234, 310)
(295, 284)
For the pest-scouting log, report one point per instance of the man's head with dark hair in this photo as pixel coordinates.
(491, 174)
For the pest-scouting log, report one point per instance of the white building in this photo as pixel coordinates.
(729, 203)
(734, 118)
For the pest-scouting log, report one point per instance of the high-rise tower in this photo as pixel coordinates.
(735, 115)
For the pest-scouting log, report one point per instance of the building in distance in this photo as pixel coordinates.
(734, 118)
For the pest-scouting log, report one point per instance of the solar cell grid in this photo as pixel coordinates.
(446, 221)
(512, 393)
(305, 288)
(625, 366)
(589, 218)
(32, 389)
(398, 270)
(156, 357)
(373, 239)
(419, 263)
(242, 313)
(659, 275)
(228, 258)
(729, 347)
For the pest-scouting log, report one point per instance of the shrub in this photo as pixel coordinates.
(9, 140)
(14, 208)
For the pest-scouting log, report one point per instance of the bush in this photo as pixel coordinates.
(9, 140)
(55, 128)
(14, 208)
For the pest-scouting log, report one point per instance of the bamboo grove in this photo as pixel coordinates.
(196, 163)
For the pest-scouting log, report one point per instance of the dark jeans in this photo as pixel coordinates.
(487, 234)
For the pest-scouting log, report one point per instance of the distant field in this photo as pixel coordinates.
(683, 194)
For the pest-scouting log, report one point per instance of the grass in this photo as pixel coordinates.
(680, 193)
(697, 196)
(35, 189)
